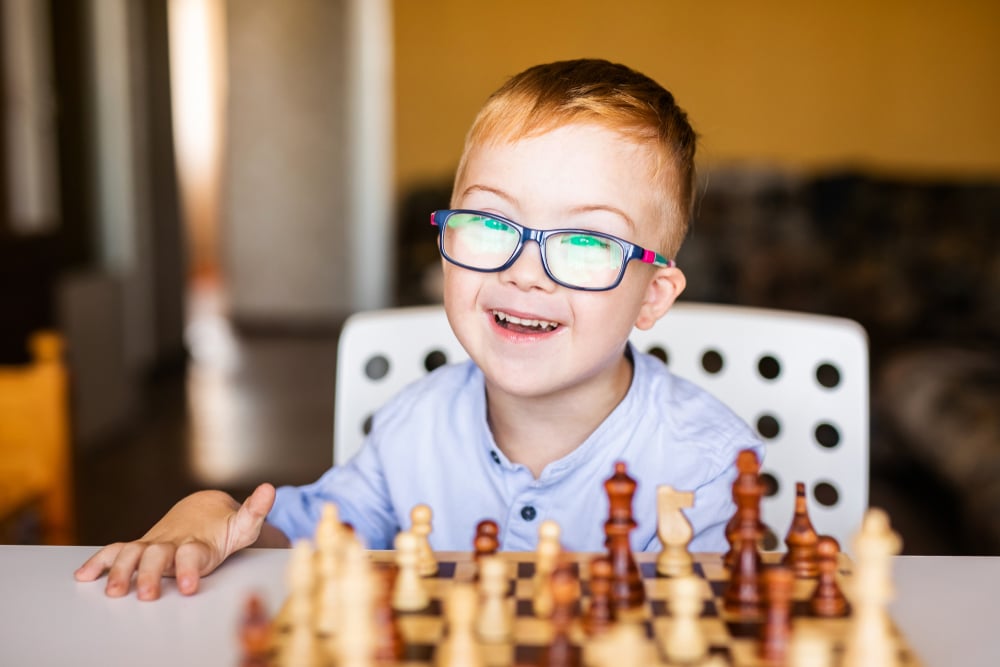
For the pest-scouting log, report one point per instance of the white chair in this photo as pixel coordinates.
(800, 380)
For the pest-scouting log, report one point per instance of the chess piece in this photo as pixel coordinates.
(827, 600)
(674, 530)
(809, 648)
(356, 636)
(777, 628)
(328, 548)
(684, 642)
(459, 647)
(420, 519)
(546, 557)
(742, 595)
(801, 539)
(627, 591)
(600, 612)
(561, 652)
(748, 475)
(409, 593)
(494, 622)
(869, 640)
(389, 643)
(487, 539)
(255, 634)
(300, 645)
(625, 645)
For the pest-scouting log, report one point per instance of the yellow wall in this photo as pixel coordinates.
(899, 87)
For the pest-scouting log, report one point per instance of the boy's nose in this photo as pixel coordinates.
(527, 271)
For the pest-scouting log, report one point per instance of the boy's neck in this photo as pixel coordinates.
(539, 430)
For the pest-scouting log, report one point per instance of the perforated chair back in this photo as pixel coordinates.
(800, 380)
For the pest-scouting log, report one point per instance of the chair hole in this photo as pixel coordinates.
(660, 353)
(366, 425)
(435, 359)
(828, 375)
(826, 494)
(768, 367)
(827, 435)
(377, 367)
(712, 361)
(770, 483)
(769, 542)
(768, 426)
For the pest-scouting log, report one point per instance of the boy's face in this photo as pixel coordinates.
(576, 176)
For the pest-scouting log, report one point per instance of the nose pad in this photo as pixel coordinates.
(527, 271)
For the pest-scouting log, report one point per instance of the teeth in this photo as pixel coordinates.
(537, 324)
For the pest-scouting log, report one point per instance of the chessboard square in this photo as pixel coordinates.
(524, 589)
(525, 570)
(744, 652)
(446, 570)
(532, 631)
(497, 654)
(465, 571)
(657, 588)
(714, 570)
(648, 570)
(524, 607)
(417, 629)
(417, 654)
(714, 630)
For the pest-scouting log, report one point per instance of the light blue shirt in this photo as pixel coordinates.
(431, 444)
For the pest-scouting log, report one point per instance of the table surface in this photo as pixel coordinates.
(945, 606)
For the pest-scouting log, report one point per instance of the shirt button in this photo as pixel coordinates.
(496, 457)
(528, 513)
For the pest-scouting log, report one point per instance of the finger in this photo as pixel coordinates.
(250, 517)
(155, 562)
(191, 561)
(120, 574)
(99, 563)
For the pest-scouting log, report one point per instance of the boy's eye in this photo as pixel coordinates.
(585, 241)
(491, 223)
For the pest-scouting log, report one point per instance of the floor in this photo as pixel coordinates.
(248, 409)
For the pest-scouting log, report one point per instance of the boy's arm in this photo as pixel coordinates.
(190, 541)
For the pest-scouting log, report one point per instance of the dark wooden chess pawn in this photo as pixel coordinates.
(801, 539)
(627, 591)
(255, 634)
(487, 539)
(747, 477)
(600, 613)
(743, 594)
(827, 600)
(777, 629)
(561, 652)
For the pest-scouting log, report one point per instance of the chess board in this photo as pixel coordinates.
(731, 641)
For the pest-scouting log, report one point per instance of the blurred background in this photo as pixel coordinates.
(194, 194)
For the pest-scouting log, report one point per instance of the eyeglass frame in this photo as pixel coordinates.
(631, 251)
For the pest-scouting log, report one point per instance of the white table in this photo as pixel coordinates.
(945, 606)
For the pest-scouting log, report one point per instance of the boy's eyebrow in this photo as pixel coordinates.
(485, 188)
(585, 208)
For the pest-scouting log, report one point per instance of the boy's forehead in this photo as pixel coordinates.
(572, 166)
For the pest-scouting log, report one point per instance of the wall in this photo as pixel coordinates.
(284, 248)
(901, 87)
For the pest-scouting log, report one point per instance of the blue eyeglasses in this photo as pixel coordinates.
(574, 258)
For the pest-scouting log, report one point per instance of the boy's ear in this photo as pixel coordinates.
(666, 285)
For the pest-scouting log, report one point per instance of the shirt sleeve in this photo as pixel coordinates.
(359, 490)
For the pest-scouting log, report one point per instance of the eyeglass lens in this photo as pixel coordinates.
(575, 258)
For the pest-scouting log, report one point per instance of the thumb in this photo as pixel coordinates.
(250, 516)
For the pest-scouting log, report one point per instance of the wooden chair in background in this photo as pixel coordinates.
(35, 462)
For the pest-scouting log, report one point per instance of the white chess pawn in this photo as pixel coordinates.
(684, 641)
(328, 556)
(494, 622)
(460, 648)
(409, 593)
(546, 558)
(420, 519)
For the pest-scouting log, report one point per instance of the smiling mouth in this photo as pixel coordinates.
(522, 325)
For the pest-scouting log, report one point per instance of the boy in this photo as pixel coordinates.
(570, 172)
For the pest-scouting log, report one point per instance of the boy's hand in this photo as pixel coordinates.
(191, 540)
